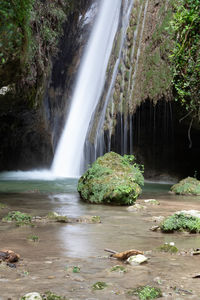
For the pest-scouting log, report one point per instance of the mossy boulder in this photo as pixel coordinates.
(187, 186)
(19, 218)
(168, 248)
(181, 221)
(146, 292)
(112, 179)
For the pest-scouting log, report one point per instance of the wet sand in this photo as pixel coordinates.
(48, 264)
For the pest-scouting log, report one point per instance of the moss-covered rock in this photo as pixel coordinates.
(168, 248)
(187, 186)
(181, 221)
(112, 179)
(146, 292)
(19, 218)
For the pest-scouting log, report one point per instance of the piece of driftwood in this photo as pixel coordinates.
(123, 255)
(9, 256)
(196, 276)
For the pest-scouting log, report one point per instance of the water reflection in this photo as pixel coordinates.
(120, 229)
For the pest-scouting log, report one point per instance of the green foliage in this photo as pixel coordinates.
(33, 238)
(30, 31)
(146, 292)
(186, 55)
(168, 248)
(112, 179)
(187, 186)
(14, 28)
(18, 217)
(100, 285)
(181, 222)
(51, 296)
(76, 269)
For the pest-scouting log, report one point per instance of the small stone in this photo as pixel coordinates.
(136, 207)
(155, 228)
(31, 296)
(152, 201)
(158, 219)
(137, 259)
(158, 280)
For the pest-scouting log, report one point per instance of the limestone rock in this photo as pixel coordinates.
(31, 296)
(136, 207)
(152, 201)
(192, 213)
(137, 259)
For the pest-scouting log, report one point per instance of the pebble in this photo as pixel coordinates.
(32, 296)
(135, 260)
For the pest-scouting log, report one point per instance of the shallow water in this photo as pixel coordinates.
(46, 264)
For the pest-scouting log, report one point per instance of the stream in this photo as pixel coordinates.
(48, 264)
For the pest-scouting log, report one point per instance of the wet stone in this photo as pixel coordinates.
(137, 259)
(31, 296)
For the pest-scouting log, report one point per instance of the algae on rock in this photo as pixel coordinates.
(112, 179)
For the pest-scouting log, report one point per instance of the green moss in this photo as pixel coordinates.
(57, 218)
(33, 238)
(76, 269)
(112, 179)
(52, 215)
(187, 186)
(157, 69)
(61, 219)
(18, 217)
(181, 222)
(2, 206)
(118, 268)
(100, 285)
(146, 292)
(96, 219)
(51, 296)
(168, 248)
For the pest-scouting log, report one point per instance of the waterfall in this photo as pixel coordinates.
(97, 146)
(68, 160)
(102, 130)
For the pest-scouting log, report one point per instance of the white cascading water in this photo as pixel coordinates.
(90, 82)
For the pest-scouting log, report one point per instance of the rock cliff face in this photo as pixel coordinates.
(141, 116)
(33, 101)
